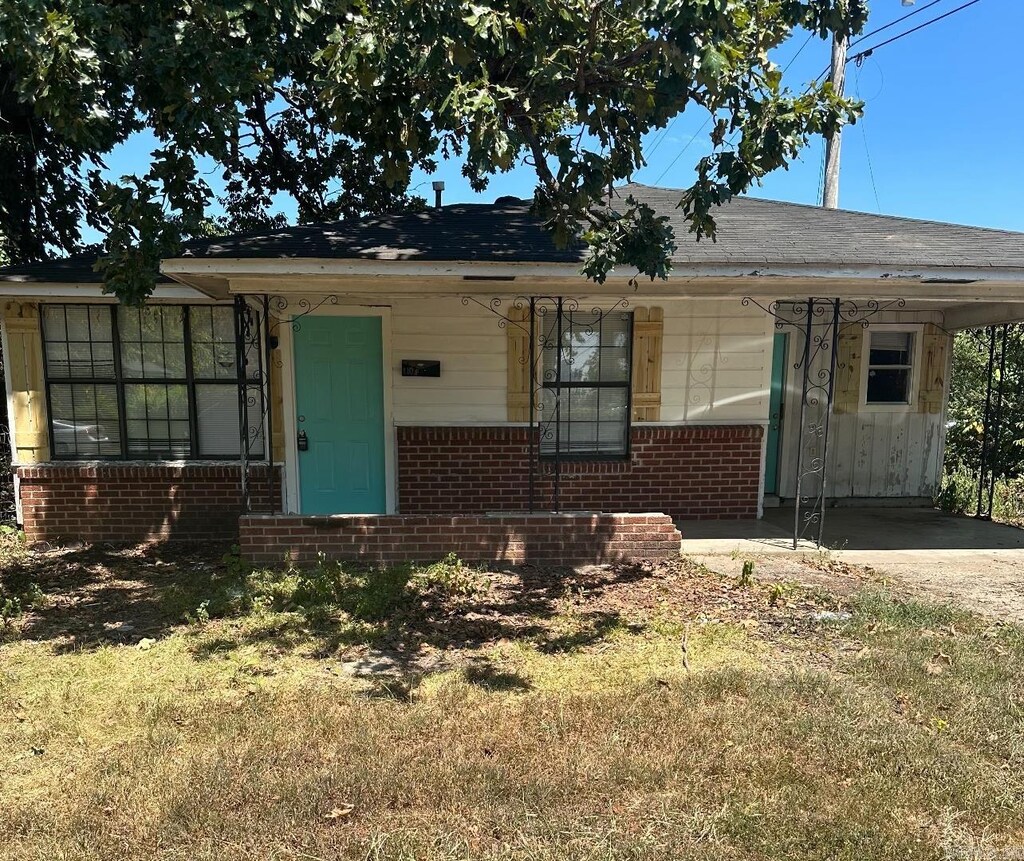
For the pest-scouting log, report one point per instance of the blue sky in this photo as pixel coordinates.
(943, 130)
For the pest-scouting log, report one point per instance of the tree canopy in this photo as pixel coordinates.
(336, 102)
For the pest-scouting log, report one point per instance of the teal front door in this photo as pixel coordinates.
(339, 406)
(775, 408)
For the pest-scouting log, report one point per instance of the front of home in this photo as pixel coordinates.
(450, 373)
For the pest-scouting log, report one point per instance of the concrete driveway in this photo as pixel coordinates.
(971, 562)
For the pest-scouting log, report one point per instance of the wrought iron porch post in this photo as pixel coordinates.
(558, 405)
(241, 308)
(986, 416)
(268, 429)
(534, 427)
(829, 400)
(805, 362)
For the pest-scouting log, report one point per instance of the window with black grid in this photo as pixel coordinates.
(586, 381)
(890, 367)
(160, 382)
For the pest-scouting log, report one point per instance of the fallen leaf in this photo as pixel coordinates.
(339, 812)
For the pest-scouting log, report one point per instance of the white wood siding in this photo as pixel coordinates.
(716, 362)
(716, 370)
(871, 454)
(471, 348)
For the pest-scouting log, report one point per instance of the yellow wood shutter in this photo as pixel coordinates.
(846, 398)
(932, 387)
(648, 334)
(518, 331)
(24, 364)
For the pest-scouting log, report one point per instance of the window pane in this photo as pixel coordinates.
(84, 420)
(889, 386)
(595, 348)
(591, 420)
(891, 348)
(157, 419)
(152, 342)
(615, 330)
(217, 416)
(213, 342)
(77, 341)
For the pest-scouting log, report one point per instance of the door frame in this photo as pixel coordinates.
(783, 410)
(292, 486)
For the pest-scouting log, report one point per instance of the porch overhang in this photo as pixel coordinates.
(220, 278)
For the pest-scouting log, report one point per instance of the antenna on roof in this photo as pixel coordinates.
(438, 188)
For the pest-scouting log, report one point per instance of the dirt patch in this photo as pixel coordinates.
(990, 582)
(103, 595)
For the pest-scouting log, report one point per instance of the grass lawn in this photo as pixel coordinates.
(168, 703)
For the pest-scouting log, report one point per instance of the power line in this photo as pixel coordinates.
(679, 154)
(893, 23)
(862, 54)
(810, 36)
(708, 120)
(864, 136)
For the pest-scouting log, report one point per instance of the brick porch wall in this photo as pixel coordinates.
(571, 539)
(686, 472)
(125, 502)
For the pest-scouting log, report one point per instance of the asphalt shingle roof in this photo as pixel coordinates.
(750, 232)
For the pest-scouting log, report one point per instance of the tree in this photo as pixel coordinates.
(334, 102)
(966, 412)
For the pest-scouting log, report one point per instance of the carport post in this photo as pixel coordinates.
(808, 333)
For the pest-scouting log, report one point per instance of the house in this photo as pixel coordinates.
(449, 377)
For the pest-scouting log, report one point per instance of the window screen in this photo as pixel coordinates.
(890, 367)
(586, 372)
(160, 382)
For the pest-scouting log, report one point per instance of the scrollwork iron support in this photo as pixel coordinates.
(253, 357)
(819, 323)
(543, 424)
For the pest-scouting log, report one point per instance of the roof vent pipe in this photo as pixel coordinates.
(438, 188)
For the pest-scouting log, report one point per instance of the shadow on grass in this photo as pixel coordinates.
(102, 595)
(485, 674)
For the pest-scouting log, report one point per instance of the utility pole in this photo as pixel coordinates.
(834, 142)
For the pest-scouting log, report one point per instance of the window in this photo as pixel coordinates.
(159, 382)
(586, 380)
(890, 367)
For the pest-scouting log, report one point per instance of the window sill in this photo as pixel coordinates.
(888, 408)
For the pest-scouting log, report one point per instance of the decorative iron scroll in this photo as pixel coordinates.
(253, 354)
(281, 305)
(545, 319)
(819, 323)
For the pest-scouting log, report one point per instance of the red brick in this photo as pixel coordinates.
(688, 472)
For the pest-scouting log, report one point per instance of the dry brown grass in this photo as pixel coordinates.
(507, 715)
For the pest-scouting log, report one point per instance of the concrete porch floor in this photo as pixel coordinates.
(868, 530)
(971, 562)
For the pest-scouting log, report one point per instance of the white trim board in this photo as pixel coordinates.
(917, 330)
